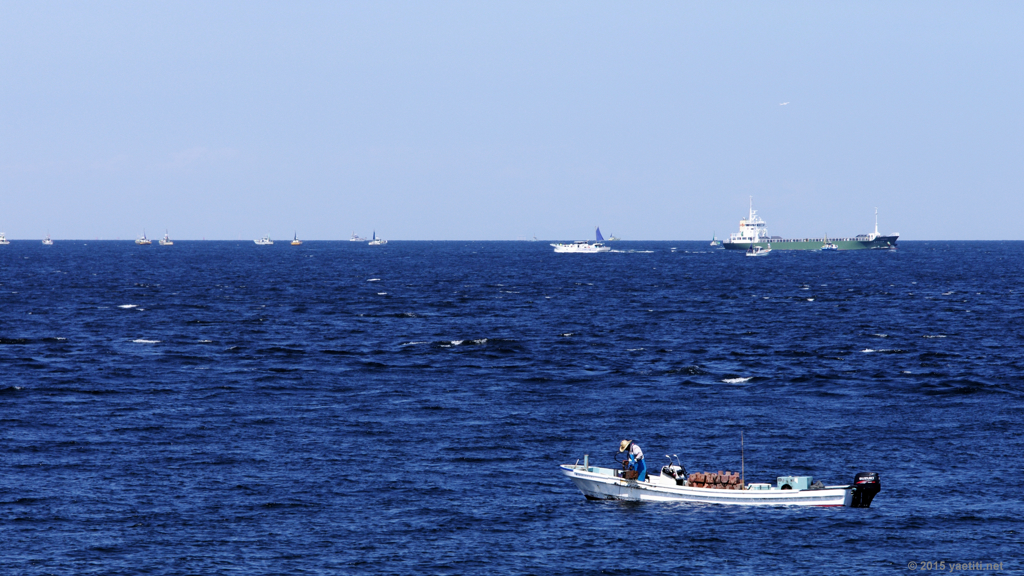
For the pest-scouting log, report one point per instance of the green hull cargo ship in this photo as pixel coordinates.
(754, 233)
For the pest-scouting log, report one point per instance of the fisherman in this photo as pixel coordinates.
(636, 458)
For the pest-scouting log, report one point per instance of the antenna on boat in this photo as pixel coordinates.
(751, 216)
(742, 464)
(876, 220)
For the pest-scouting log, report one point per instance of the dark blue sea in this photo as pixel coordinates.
(336, 408)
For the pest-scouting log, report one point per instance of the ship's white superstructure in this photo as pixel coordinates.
(752, 229)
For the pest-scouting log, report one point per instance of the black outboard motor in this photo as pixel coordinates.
(865, 486)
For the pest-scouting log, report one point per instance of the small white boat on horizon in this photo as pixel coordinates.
(265, 241)
(142, 240)
(377, 241)
(356, 238)
(583, 246)
(828, 246)
(166, 240)
(3, 239)
(296, 241)
(47, 241)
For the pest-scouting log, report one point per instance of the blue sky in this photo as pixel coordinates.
(494, 121)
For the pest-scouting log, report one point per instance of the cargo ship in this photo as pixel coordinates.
(754, 232)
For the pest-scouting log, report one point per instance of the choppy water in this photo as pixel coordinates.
(219, 407)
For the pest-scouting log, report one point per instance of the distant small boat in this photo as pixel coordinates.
(356, 238)
(377, 241)
(143, 241)
(828, 246)
(582, 246)
(166, 240)
(265, 241)
(756, 250)
(3, 239)
(715, 242)
(47, 241)
(296, 241)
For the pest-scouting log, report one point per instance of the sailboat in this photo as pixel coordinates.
(166, 240)
(377, 241)
(47, 241)
(296, 241)
(143, 241)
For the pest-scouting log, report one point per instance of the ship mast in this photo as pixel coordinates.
(876, 221)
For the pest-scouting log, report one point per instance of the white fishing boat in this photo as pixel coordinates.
(47, 241)
(756, 250)
(828, 246)
(166, 240)
(265, 241)
(3, 239)
(672, 484)
(583, 246)
(377, 241)
(142, 240)
(296, 241)
(715, 242)
(356, 238)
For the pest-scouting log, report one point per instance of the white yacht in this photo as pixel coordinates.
(377, 241)
(3, 239)
(356, 238)
(166, 240)
(756, 250)
(265, 241)
(47, 241)
(583, 246)
(142, 240)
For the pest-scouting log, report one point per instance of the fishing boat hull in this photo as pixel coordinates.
(602, 484)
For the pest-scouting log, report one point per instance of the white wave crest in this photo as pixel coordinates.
(144, 341)
(126, 306)
(737, 380)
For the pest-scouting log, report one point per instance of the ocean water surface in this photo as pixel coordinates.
(336, 408)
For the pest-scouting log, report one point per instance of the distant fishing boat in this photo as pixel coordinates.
(377, 241)
(756, 250)
(296, 241)
(715, 242)
(3, 239)
(143, 241)
(47, 241)
(166, 240)
(356, 238)
(828, 246)
(265, 241)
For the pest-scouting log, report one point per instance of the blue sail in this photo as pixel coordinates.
(599, 237)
